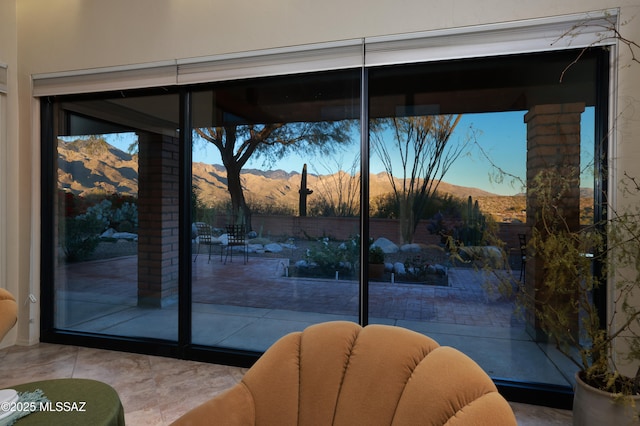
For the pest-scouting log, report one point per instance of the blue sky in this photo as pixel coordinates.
(502, 137)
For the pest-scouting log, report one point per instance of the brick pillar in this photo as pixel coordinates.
(553, 141)
(158, 190)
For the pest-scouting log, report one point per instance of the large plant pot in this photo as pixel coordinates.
(376, 270)
(593, 407)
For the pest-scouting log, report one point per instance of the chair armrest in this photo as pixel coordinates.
(234, 407)
(8, 312)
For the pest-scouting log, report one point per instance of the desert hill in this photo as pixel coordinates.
(87, 165)
(92, 165)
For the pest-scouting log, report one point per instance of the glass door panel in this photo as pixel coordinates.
(116, 240)
(278, 159)
(452, 146)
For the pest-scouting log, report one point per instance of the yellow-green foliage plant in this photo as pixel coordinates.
(563, 294)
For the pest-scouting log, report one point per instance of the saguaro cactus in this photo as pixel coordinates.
(304, 191)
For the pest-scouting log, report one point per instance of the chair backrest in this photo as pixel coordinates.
(235, 234)
(204, 233)
(522, 238)
(339, 373)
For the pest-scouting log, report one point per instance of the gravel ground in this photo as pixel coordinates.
(109, 249)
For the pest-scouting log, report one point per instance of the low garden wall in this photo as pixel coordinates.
(342, 228)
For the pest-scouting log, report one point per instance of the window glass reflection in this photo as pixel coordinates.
(116, 263)
(278, 159)
(453, 148)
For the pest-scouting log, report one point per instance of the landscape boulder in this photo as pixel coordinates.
(386, 245)
(273, 248)
(399, 269)
(411, 248)
(487, 255)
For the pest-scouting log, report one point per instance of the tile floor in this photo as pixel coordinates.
(252, 306)
(156, 390)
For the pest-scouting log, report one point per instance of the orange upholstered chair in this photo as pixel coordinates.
(8, 312)
(338, 373)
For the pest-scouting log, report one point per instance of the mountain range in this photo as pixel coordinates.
(90, 165)
(87, 165)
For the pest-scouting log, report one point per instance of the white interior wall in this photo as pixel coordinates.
(76, 34)
(70, 35)
(9, 172)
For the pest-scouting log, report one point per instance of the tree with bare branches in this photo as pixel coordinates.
(338, 188)
(416, 153)
(238, 143)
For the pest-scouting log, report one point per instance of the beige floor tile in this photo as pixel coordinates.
(156, 390)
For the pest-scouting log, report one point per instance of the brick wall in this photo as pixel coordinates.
(553, 142)
(158, 219)
(341, 228)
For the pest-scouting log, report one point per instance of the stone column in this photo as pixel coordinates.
(158, 190)
(553, 142)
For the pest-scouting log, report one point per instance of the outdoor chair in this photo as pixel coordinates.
(236, 238)
(205, 237)
(523, 255)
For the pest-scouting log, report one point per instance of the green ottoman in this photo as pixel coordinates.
(75, 402)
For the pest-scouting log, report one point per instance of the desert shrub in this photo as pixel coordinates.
(82, 235)
(386, 206)
(271, 209)
(71, 205)
(327, 257)
(125, 219)
(82, 231)
(461, 222)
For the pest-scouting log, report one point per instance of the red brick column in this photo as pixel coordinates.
(553, 142)
(158, 190)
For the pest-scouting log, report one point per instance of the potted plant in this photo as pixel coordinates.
(574, 262)
(571, 262)
(376, 262)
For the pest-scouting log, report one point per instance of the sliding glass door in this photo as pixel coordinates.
(276, 206)
(215, 218)
(454, 146)
(115, 219)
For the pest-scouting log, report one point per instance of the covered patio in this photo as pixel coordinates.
(249, 306)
